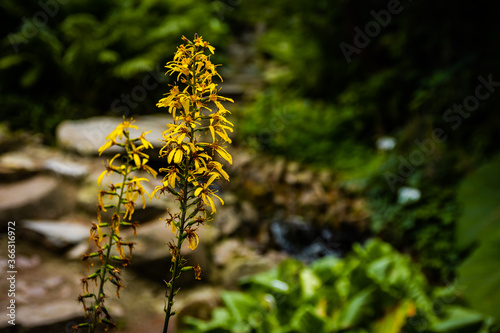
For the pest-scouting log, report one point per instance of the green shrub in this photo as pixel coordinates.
(375, 289)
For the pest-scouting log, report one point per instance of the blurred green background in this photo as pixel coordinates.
(400, 99)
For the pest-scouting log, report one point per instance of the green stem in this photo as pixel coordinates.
(180, 239)
(108, 251)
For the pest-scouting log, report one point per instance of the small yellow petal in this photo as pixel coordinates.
(101, 176)
(99, 232)
(171, 155)
(178, 156)
(137, 160)
(105, 146)
(212, 205)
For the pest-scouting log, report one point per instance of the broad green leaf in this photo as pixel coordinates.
(352, 313)
(221, 320)
(240, 305)
(310, 283)
(457, 317)
(480, 197)
(480, 274)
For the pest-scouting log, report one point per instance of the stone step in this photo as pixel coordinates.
(86, 136)
(41, 197)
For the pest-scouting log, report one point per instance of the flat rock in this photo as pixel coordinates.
(56, 234)
(235, 259)
(56, 316)
(37, 197)
(66, 168)
(86, 136)
(15, 165)
(32, 159)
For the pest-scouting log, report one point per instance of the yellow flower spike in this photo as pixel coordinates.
(191, 169)
(125, 193)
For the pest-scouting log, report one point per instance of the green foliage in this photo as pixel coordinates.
(404, 74)
(308, 131)
(87, 55)
(375, 289)
(479, 225)
(479, 195)
(479, 273)
(425, 228)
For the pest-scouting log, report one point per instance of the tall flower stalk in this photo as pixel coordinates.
(106, 234)
(193, 140)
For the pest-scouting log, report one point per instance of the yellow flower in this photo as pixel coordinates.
(147, 168)
(197, 272)
(206, 193)
(140, 191)
(107, 145)
(222, 152)
(192, 239)
(172, 176)
(145, 142)
(109, 170)
(121, 128)
(214, 165)
(101, 204)
(129, 209)
(175, 155)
